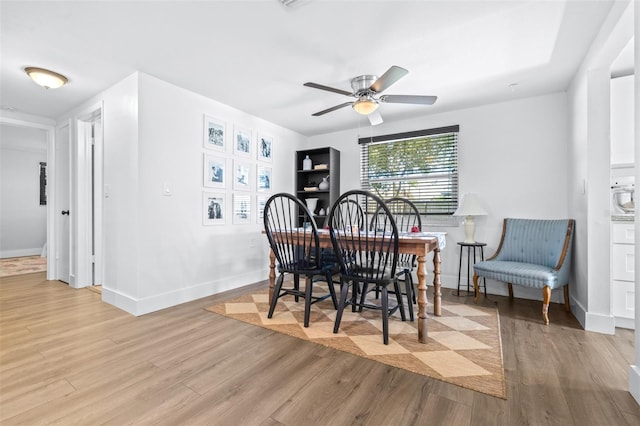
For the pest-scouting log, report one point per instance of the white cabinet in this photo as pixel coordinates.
(623, 274)
(622, 120)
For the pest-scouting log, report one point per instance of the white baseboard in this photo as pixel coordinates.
(634, 382)
(20, 253)
(628, 323)
(157, 302)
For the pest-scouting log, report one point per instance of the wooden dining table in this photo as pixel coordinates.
(419, 244)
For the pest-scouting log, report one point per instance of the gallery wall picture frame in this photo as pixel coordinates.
(215, 133)
(214, 171)
(264, 147)
(242, 175)
(214, 208)
(263, 181)
(261, 201)
(241, 208)
(242, 141)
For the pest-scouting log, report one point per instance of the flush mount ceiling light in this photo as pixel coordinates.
(45, 78)
(365, 105)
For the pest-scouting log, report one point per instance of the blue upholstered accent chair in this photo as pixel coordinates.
(532, 253)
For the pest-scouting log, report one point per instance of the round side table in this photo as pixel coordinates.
(469, 247)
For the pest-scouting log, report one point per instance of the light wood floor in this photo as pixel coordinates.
(67, 358)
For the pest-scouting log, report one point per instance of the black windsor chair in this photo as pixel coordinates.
(367, 256)
(295, 251)
(407, 218)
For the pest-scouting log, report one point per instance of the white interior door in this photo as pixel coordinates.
(62, 203)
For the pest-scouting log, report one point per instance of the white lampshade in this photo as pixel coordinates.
(365, 105)
(469, 207)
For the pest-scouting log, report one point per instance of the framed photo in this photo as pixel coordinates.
(241, 208)
(241, 175)
(265, 147)
(261, 200)
(264, 179)
(213, 208)
(215, 132)
(242, 141)
(214, 171)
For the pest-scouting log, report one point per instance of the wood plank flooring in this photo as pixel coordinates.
(67, 358)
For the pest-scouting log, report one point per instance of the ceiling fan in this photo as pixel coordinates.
(366, 89)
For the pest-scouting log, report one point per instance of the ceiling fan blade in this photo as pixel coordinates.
(328, 89)
(331, 109)
(390, 76)
(375, 118)
(408, 99)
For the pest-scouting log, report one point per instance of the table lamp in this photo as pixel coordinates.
(470, 207)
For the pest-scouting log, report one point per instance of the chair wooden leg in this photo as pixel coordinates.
(385, 315)
(396, 288)
(365, 290)
(567, 306)
(510, 290)
(476, 288)
(308, 291)
(332, 290)
(413, 290)
(296, 286)
(546, 296)
(276, 295)
(344, 290)
(409, 291)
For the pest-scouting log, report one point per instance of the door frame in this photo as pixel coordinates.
(51, 197)
(86, 196)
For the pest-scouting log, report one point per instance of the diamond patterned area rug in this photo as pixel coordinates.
(463, 348)
(22, 265)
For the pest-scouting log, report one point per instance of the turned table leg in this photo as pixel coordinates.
(437, 295)
(422, 300)
(272, 273)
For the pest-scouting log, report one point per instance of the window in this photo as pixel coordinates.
(421, 166)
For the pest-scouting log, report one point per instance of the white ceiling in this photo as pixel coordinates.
(256, 55)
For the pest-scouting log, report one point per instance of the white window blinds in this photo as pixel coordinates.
(421, 166)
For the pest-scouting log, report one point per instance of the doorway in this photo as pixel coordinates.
(49, 137)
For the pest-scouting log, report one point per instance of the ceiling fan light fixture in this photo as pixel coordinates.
(46, 78)
(365, 105)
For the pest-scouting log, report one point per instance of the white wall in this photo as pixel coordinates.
(23, 221)
(513, 154)
(157, 251)
(589, 173)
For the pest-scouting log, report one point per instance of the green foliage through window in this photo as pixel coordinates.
(421, 166)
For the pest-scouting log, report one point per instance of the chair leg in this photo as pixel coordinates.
(567, 306)
(409, 289)
(308, 291)
(344, 290)
(332, 290)
(476, 288)
(510, 290)
(546, 296)
(413, 290)
(296, 285)
(276, 294)
(385, 315)
(365, 289)
(396, 288)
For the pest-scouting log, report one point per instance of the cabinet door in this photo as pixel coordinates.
(623, 262)
(622, 295)
(623, 233)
